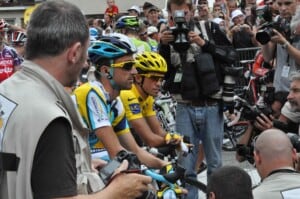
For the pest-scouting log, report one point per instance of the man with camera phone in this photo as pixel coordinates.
(194, 77)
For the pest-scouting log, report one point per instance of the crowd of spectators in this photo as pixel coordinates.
(214, 31)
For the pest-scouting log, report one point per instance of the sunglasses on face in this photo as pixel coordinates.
(155, 78)
(124, 65)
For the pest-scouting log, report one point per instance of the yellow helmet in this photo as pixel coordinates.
(150, 62)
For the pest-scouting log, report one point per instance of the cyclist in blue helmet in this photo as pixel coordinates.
(99, 103)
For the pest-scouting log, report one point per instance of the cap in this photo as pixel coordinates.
(151, 30)
(135, 8)
(236, 13)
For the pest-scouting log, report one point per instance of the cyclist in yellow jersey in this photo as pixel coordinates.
(139, 101)
(98, 101)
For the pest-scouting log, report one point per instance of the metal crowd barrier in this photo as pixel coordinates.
(246, 54)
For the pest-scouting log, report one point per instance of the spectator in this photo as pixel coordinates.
(143, 35)
(112, 10)
(232, 5)
(152, 33)
(274, 158)
(44, 132)
(146, 7)
(203, 11)
(108, 24)
(98, 24)
(134, 11)
(10, 61)
(229, 182)
(181, 82)
(216, 10)
(153, 18)
(242, 34)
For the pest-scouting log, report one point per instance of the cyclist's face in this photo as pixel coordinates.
(287, 8)
(124, 77)
(294, 95)
(152, 84)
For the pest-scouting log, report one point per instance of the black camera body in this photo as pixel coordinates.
(134, 165)
(180, 32)
(265, 33)
(107, 171)
(251, 112)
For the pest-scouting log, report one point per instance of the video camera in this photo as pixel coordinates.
(180, 31)
(265, 33)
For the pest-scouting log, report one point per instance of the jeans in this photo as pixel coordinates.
(205, 123)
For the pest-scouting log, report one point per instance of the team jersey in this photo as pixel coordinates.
(135, 106)
(8, 60)
(98, 111)
(141, 46)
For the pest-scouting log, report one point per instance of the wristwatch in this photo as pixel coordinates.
(285, 45)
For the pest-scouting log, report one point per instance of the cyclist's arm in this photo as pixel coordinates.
(141, 127)
(155, 125)
(109, 139)
(145, 157)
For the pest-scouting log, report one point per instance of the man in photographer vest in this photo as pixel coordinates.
(274, 158)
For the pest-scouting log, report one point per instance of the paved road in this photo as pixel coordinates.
(229, 159)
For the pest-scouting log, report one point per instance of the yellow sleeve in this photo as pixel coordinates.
(131, 105)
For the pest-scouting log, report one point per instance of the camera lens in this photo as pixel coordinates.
(228, 90)
(264, 36)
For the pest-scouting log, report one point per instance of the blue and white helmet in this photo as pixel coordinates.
(111, 46)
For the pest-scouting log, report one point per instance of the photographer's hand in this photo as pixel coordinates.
(127, 185)
(97, 164)
(195, 38)
(264, 122)
(166, 37)
(278, 38)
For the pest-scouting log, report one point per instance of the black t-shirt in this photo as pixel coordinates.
(54, 165)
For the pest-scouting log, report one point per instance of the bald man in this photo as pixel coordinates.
(274, 158)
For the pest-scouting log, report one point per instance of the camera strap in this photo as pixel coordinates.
(204, 28)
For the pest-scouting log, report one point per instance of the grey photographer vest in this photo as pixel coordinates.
(20, 130)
